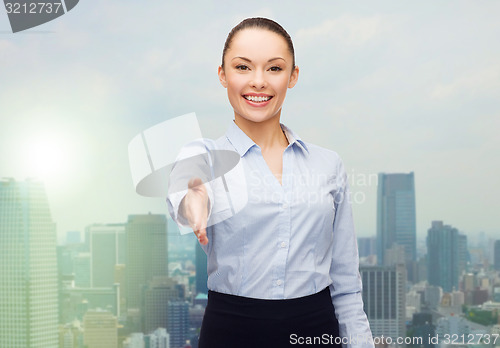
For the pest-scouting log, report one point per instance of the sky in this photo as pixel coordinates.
(392, 86)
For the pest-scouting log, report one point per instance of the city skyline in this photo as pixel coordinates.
(392, 88)
(106, 308)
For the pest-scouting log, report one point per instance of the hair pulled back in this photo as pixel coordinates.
(260, 23)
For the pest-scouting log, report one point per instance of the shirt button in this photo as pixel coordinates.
(283, 244)
(285, 205)
(279, 282)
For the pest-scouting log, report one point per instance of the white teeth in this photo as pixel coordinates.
(256, 99)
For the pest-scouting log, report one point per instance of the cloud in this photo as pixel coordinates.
(346, 30)
(483, 81)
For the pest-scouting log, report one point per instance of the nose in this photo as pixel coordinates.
(258, 80)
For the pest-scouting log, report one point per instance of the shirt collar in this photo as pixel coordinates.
(242, 143)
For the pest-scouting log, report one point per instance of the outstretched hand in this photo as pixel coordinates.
(195, 208)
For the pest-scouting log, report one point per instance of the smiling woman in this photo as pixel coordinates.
(286, 265)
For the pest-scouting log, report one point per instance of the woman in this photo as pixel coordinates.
(283, 271)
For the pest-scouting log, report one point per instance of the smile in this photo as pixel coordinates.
(257, 99)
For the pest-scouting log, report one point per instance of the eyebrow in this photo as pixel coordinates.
(248, 60)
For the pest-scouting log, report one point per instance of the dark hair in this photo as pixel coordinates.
(261, 23)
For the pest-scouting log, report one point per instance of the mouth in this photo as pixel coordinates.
(257, 99)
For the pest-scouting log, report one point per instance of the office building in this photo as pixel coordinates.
(100, 329)
(367, 246)
(156, 296)
(201, 270)
(178, 323)
(396, 216)
(107, 249)
(445, 253)
(28, 267)
(395, 255)
(75, 301)
(463, 254)
(384, 299)
(81, 267)
(496, 255)
(146, 254)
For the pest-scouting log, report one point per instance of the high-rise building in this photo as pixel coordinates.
(28, 267)
(496, 255)
(384, 299)
(146, 254)
(445, 250)
(156, 296)
(396, 217)
(178, 323)
(81, 267)
(367, 246)
(100, 329)
(201, 270)
(107, 249)
(463, 254)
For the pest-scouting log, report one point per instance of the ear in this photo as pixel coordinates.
(222, 76)
(294, 77)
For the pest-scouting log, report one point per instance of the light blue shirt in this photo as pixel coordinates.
(286, 240)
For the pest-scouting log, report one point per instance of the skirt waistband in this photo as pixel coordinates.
(264, 308)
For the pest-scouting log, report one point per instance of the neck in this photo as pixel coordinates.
(267, 134)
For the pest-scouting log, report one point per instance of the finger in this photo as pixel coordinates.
(202, 236)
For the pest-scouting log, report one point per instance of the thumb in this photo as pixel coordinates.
(194, 182)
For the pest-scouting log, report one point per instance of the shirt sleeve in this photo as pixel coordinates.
(346, 284)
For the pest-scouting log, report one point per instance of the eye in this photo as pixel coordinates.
(275, 68)
(242, 67)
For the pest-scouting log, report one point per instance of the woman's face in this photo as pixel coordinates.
(257, 72)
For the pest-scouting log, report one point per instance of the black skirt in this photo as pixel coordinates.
(239, 322)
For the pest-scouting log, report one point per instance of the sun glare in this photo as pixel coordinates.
(47, 157)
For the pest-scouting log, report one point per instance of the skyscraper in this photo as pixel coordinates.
(107, 249)
(155, 302)
(81, 267)
(178, 323)
(496, 255)
(28, 267)
(384, 299)
(146, 254)
(445, 255)
(396, 217)
(201, 269)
